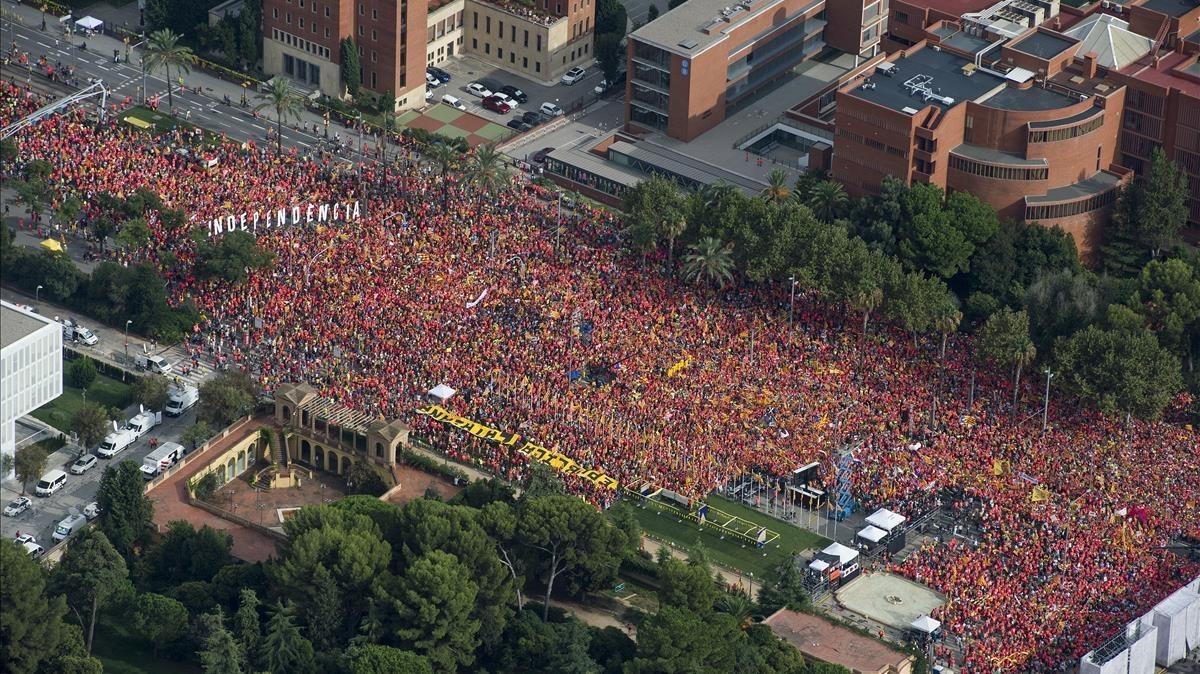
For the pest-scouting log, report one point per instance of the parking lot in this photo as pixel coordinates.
(467, 69)
(80, 490)
(599, 121)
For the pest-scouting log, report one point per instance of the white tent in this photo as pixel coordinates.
(1173, 618)
(926, 624)
(818, 565)
(89, 23)
(441, 393)
(843, 553)
(873, 534)
(886, 519)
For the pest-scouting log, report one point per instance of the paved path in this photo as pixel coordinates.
(171, 502)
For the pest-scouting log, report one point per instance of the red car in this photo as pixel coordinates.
(496, 105)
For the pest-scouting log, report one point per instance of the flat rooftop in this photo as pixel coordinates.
(1173, 70)
(1097, 184)
(1172, 8)
(697, 25)
(1043, 45)
(945, 78)
(820, 639)
(954, 8)
(1033, 98)
(987, 154)
(16, 324)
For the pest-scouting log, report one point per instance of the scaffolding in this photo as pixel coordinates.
(96, 88)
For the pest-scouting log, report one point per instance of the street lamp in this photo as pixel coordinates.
(792, 301)
(1046, 403)
(37, 296)
(245, 85)
(127, 324)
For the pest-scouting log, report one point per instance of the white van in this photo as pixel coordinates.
(161, 459)
(453, 102)
(152, 363)
(143, 422)
(50, 483)
(67, 527)
(180, 399)
(115, 443)
(85, 336)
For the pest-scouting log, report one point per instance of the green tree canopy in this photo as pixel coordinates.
(1004, 340)
(433, 601)
(82, 372)
(284, 650)
(226, 397)
(152, 390)
(377, 659)
(185, 553)
(29, 462)
(89, 574)
(230, 256)
(1154, 208)
(160, 619)
(34, 625)
(351, 67)
(125, 510)
(1120, 371)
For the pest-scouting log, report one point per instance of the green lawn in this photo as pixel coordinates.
(163, 122)
(123, 652)
(106, 391)
(726, 550)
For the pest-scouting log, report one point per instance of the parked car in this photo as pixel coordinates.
(431, 81)
(30, 544)
(17, 506)
(540, 155)
(91, 511)
(550, 110)
(440, 74)
(573, 76)
(516, 123)
(453, 102)
(496, 104)
(477, 89)
(515, 93)
(428, 95)
(491, 85)
(532, 117)
(83, 464)
(509, 100)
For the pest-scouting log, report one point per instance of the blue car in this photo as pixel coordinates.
(441, 75)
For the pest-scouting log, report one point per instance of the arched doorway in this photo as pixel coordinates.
(319, 458)
(231, 469)
(305, 451)
(346, 463)
(241, 462)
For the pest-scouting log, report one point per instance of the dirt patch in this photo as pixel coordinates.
(414, 483)
(263, 506)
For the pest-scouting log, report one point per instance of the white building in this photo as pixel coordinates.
(31, 367)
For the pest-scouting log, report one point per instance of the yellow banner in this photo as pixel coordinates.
(555, 460)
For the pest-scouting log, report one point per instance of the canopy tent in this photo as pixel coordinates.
(926, 624)
(818, 565)
(441, 393)
(873, 534)
(886, 519)
(89, 23)
(52, 245)
(841, 552)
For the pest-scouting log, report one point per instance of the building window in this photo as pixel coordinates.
(374, 58)
(537, 66)
(374, 14)
(500, 52)
(487, 48)
(475, 20)
(374, 35)
(289, 65)
(327, 11)
(512, 34)
(474, 43)
(998, 172)
(526, 39)
(361, 11)
(539, 43)
(501, 31)
(487, 25)
(288, 17)
(902, 17)
(274, 12)
(512, 57)
(525, 62)
(326, 33)
(373, 81)
(300, 22)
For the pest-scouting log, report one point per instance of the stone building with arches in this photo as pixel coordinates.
(330, 437)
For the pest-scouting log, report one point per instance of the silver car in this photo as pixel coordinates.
(17, 506)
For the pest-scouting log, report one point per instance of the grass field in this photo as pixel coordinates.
(123, 652)
(725, 549)
(105, 391)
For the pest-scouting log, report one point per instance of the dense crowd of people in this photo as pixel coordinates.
(580, 347)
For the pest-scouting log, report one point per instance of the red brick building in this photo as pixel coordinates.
(302, 40)
(1035, 136)
(692, 64)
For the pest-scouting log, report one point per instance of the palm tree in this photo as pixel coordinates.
(777, 187)
(445, 156)
(163, 51)
(946, 324)
(1023, 354)
(285, 104)
(866, 301)
(710, 262)
(827, 200)
(487, 170)
(715, 193)
(673, 229)
(737, 605)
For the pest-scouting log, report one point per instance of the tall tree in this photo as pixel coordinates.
(827, 200)
(709, 261)
(1154, 209)
(351, 67)
(125, 510)
(164, 51)
(611, 18)
(487, 170)
(29, 462)
(90, 573)
(916, 301)
(677, 639)
(927, 237)
(160, 619)
(1168, 298)
(610, 55)
(82, 372)
(226, 397)
(569, 537)
(324, 615)
(286, 105)
(231, 257)
(1120, 371)
(1004, 340)
(434, 601)
(34, 623)
(649, 206)
(134, 234)
(1060, 303)
(221, 653)
(185, 553)
(247, 628)
(284, 650)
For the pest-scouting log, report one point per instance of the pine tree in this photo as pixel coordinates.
(247, 628)
(351, 67)
(221, 654)
(283, 649)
